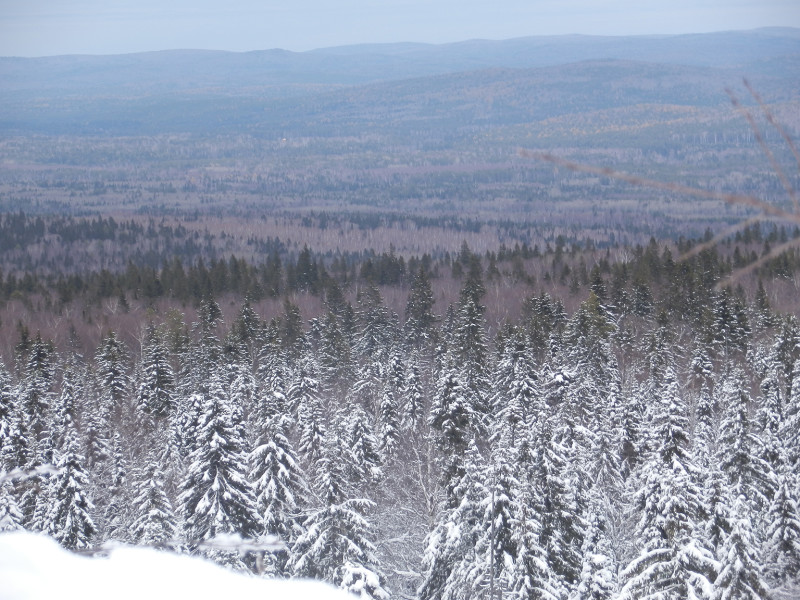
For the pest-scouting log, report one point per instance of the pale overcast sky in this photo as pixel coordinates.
(49, 27)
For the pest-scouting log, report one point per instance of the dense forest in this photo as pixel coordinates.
(394, 318)
(641, 445)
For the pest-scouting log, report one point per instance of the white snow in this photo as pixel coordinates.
(34, 567)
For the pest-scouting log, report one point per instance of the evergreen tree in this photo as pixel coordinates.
(418, 328)
(69, 520)
(598, 574)
(115, 495)
(790, 428)
(12, 444)
(782, 546)
(516, 392)
(469, 348)
(375, 336)
(390, 424)
(450, 555)
(155, 523)
(37, 385)
(36, 399)
(154, 395)
(335, 546)
(450, 418)
(563, 515)
(111, 360)
(495, 546)
(530, 577)
(672, 563)
(305, 401)
(363, 461)
(64, 407)
(413, 407)
(741, 447)
(337, 370)
(217, 498)
(718, 523)
(740, 573)
(280, 488)
(10, 514)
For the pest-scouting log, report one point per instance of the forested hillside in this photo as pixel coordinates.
(640, 442)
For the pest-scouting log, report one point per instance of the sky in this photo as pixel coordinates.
(53, 27)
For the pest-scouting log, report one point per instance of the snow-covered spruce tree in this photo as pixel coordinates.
(155, 522)
(716, 506)
(672, 562)
(790, 429)
(280, 489)
(450, 554)
(116, 506)
(495, 546)
(598, 573)
(530, 574)
(241, 382)
(375, 336)
(730, 327)
(336, 546)
(563, 515)
(10, 514)
(516, 400)
(418, 330)
(97, 431)
(770, 415)
(782, 544)
(706, 426)
(469, 347)
(451, 416)
(12, 443)
(741, 447)
(35, 447)
(740, 574)
(217, 498)
(634, 441)
(362, 459)
(64, 406)
(111, 362)
(542, 317)
(305, 402)
(784, 351)
(154, 395)
(246, 328)
(69, 519)
(587, 353)
(184, 422)
(337, 370)
(413, 407)
(36, 392)
(273, 376)
(389, 424)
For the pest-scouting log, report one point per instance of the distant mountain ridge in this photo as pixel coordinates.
(177, 90)
(351, 65)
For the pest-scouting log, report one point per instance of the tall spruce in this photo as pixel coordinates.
(217, 497)
(155, 523)
(336, 545)
(280, 489)
(69, 519)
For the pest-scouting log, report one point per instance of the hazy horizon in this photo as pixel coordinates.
(47, 28)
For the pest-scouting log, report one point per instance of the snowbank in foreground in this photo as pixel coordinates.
(34, 567)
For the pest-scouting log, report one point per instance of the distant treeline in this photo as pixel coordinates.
(628, 279)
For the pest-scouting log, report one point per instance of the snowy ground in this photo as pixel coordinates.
(33, 567)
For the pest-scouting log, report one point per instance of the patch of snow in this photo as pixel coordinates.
(34, 567)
